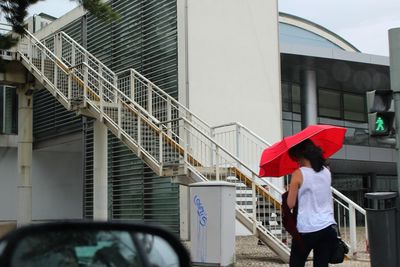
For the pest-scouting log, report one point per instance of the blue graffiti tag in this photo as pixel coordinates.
(201, 212)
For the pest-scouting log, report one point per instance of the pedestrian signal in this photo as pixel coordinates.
(380, 112)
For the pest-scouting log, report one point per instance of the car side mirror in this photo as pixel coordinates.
(92, 244)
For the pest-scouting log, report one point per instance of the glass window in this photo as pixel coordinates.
(286, 97)
(354, 107)
(287, 127)
(296, 98)
(329, 103)
(8, 110)
(291, 97)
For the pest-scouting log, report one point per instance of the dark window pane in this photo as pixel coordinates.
(354, 107)
(8, 110)
(296, 98)
(287, 127)
(328, 103)
(286, 97)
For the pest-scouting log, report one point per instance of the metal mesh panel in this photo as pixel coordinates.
(49, 117)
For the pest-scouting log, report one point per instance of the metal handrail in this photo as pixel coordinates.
(116, 75)
(169, 97)
(237, 160)
(267, 144)
(87, 52)
(349, 201)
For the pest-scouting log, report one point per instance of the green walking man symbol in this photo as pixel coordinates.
(380, 125)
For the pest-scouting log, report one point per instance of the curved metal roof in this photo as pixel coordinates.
(298, 30)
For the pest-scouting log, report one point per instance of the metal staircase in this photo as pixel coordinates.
(169, 138)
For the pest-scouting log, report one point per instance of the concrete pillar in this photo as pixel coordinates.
(100, 186)
(309, 98)
(24, 185)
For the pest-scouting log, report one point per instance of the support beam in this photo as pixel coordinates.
(24, 185)
(309, 98)
(100, 185)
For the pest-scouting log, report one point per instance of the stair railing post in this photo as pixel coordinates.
(185, 147)
(366, 234)
(139, 134)
(353, 229)
(42, 55)
(150, 99)
(56, 52)
(85, 80)
(69, 89)
(254, 205)
(160, 147)
(132, 85)
(119, 116)
(102, 96)
(169, 117)
(238, 132)
(29, 49)
(217, 171)
(73, 61)
(115, 82)
(211, 151)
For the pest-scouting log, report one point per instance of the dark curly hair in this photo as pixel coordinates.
(308, 150)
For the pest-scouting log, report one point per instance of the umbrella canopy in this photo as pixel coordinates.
(275, 160)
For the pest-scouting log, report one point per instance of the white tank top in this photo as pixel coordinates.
(315, 202)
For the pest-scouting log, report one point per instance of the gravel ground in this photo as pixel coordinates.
(248, 253)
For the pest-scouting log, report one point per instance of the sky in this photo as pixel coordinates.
(363, 23)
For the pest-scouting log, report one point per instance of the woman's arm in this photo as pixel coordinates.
(295, 183)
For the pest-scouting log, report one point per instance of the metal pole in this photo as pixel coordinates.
(394, 51)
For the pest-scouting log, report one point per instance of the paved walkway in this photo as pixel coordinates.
(248, 253)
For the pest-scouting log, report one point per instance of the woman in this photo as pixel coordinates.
(310, 186)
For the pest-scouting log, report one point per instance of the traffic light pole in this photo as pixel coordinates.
(394, 49)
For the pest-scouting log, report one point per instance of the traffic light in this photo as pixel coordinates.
(380, 112)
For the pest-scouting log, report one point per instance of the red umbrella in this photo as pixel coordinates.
(275, 160)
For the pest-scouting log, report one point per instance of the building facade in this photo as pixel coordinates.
(325, 80)
(223, 72)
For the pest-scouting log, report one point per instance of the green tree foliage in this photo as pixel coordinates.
(15, 12)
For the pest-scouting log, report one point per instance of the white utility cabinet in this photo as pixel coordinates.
(212, 223)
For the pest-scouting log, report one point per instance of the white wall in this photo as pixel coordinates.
(8, 188)
(232, 63)
(57, 185)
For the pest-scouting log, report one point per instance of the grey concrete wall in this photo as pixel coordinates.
(57, 185)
